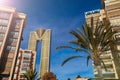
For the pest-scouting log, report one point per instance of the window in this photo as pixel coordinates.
(22, 76)
(0, 43)
(10, 48)
(15, 33)
(25, 65)
(9, 64)
(15, 75)
(2, 34)
(3, 27)
(18, 21)
(118, 47)
(115, 22)
(26, 61)
(28, 55)
(3, 21)
(24, 69)
(13, 40)
(5, 15)
(117, 36)
(10, 55)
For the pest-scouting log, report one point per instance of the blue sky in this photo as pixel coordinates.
(60, 16)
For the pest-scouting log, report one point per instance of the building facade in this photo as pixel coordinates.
(43, 36)
(111, 73)
(112, 9)
(98, 14)
(25, 61)
(11, 28)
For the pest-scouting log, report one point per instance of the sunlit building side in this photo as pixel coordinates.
(25, 61)
(11, 29)
(112, 9)
(43, 36)
(100, 15)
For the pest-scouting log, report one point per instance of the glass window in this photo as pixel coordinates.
(10, 48)
(0, 43)
(10, 55)
(12, 40)
(15, 75)
(3, 21)
(28, 55)
(24, 69)
(9, 64)
(117, 35)
(4, 15)
(3, 27)
(22, 76)
(118, 47)
(18, 21)
(2, 34)
(115, 22)
(15, 33)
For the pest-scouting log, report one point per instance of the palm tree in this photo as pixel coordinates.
(30, 75)
(95, 39)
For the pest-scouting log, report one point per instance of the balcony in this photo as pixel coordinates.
(106, 56)
(111, 2)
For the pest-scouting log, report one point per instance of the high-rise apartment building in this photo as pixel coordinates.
(100, 15)
(11, 28)
(25, 61)
(43, 35)
(112, 9)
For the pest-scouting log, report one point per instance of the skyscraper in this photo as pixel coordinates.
(11, 28)
(43, 35)
(25, 61)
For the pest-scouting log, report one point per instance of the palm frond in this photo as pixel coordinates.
(70, 58)
(88, 58)
(104, 65)
(80, 38)
(85, 30)
(74, 42)
(71, 47)
(30, 74)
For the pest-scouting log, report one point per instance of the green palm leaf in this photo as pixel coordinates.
(95, 39)
(88, 58)
(70, 58)
(71, 47)
(30, 75)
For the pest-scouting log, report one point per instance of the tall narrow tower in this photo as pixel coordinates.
(44, 36)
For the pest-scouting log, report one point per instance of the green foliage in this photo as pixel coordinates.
(30, 75)
(78, 76)
(95, 39)
(72, 57)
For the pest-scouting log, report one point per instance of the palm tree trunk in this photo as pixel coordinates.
(98, 65)
(99, 70)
